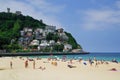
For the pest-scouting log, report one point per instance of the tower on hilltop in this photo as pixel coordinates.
(8, 10)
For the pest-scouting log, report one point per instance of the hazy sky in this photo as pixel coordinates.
(95, 24)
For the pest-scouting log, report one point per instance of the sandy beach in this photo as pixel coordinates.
(15, 68)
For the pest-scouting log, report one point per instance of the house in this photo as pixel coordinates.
(20, 41)
(18, 12)
(39, 30)
(61, 30)
(58, 42)
(50, 29)
(26, 29)
(44, 43)
(38, 33)
(22, 33)
(51, 42)
(67, 47)
(34, 42)
(29, 32)
(44, 33)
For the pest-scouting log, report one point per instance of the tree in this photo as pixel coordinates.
(72, 41)
(52, 36)
(58, 48)
(16, 28)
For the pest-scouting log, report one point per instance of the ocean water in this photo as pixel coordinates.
(98, 56)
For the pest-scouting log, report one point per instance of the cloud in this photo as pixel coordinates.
(39, 9)
(100, 19)
(117, 4)
(46, 6)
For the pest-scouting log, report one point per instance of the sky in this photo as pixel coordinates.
(95, 24)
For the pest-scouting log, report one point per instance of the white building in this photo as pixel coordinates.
(26, 29)
(18, 12)
(44, 43)
(67, 47)
(34, 42)
(51, 42)
(22, 33)
(61, 30)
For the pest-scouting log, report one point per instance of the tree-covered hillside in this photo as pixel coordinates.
(11, 24)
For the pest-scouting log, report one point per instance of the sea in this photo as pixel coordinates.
(98, 56)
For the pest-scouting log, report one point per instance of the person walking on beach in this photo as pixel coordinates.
(34, 64)
(11, 64)
(26, 64)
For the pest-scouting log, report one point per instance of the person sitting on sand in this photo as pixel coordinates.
(113, 69)
(71, 66)
(115, 61)
(54, 63)
(42, 68)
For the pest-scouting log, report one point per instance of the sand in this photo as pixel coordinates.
(49, 70)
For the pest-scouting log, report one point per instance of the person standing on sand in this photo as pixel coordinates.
(26, 64)
(11, 64)
(34, 64)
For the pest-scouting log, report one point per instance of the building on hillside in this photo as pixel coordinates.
(44, 44)
(21, 41)
(38, 33)
(63, 36)
(58, 42)
(22, 33)
(61, 30)
(67, 47)
(18, 12)
(39, 30)
(26, 29)
(29, 32)
(8, 10)
(44, 33)
(52, 42)
(77, 51)
(50, 29)
(34, 42)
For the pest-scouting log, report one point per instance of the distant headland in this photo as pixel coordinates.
(19, 33)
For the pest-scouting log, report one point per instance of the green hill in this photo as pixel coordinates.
(11, 24)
